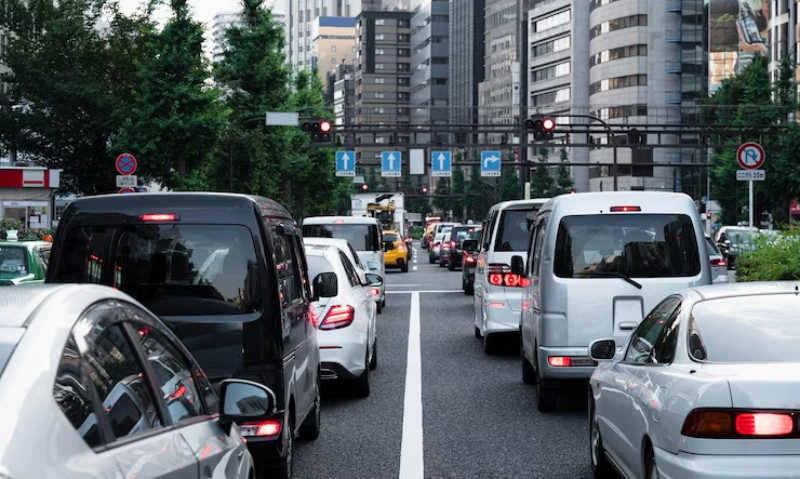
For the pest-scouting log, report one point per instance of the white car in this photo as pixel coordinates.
(708, 386)
(379, 293)
(345, 315)
(719, 269)
(73, 363)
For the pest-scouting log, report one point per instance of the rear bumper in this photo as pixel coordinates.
(499, 319)
(699, 466)
(266, 452)
(456, 258)
(565, 372)
(349, 359)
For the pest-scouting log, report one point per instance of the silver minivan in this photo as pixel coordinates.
(596, 264)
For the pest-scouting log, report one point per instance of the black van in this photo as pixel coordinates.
(228, 274)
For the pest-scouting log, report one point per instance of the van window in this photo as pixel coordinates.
(635, 245)
(363, 237)
(514, 229)
(460, 233)
(712, 247)
(173, 270)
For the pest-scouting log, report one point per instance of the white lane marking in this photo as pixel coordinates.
(411, 455)
(426, 291)
(414, 268)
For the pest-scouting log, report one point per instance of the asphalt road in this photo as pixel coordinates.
(467, 415)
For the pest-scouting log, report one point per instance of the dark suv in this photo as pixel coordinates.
(227, 273)
(454, 256)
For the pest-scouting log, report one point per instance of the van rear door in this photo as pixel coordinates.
(613, 269)
(365, 238)
(511, 239)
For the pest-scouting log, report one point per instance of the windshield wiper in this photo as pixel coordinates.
(610, 274)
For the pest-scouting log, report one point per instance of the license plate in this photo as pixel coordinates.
(582, 362)
(471, 270)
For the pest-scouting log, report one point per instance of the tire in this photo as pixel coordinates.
(546, 398)
(373, 363)
(491, 345)
(361, 388)
(380, 307)
(528, 373)
(451, 266)
(404, 268)
(470, 289)
(309, 431)
(598, 462)
(383, 302)
(652, 468)
(284, 469)
(431, 260)
(441, 264)
(477, 332)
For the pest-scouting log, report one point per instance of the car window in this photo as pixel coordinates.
(74, 398)
(302, 265)
(636, 245)
(459, 234)
(287, 273)
(513, 229)
(119, 382)
(649, 329)
(712, 247)
(667, 343)
(13, 262)
(363, 237)
(487, 237)
(538, 249)
(318, 265)
(391, 238)
(177, 383)
(172, 269)
(351, 271)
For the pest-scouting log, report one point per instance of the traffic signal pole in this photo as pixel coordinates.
(522, 56)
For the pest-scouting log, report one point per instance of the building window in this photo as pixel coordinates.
(618, 24)
(380, 51)
(380, 80)
(380, 94)
(380, 21)
(550, 72)
(380, 36)
(620, 112)
(379, 66)
(618, 54)
(552, 46)
(599, 3)
(619, 82)
(555, 96)
(333, 61)
(333, 48)
(552, 21)
(403, 24)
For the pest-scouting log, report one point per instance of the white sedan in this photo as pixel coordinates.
(346, 318)
(708, 386)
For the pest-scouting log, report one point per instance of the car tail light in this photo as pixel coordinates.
(401, 247)
(624, 209)
(452, 244)
(558, 361)
(180, 391)
(376, 291)
(468, 258)
(261, 429)
(338, 222)
(159, 217)
(338, 317)
(500, 275)
(718, 262)
(734, 423)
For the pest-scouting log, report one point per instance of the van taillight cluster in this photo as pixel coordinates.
(740, 424)
(338, 317)
(501, 275)
(468, 258)
(261, 429)
(718, 262)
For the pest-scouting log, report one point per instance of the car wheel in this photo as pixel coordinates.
(404, 268)
(383, 302)
(451, 266)
(431, 260)
(652, 468)
(491, 344)
(309, 431)
(362, 388)
(442, 264)
(528, 373)
(600, 466)
(379, 306)
(373, 363)
(470, 289)
(285, 467)
(546, 398)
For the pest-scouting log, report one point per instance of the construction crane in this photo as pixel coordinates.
(383, 213)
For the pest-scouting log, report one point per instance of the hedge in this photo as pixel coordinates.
(771, 258)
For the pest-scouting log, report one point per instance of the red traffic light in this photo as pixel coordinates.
(424, 189)
(325, 126)
(708, 215)
(548, 124)
(365, 187)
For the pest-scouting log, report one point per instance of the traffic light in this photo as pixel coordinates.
(708, 215)
(542, 127)
(424, 190)
(319, 129)
(365, 187)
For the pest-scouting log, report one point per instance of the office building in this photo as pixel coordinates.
(225, 20)
(430, 31)
(466, 50)
(333, 43)
(500, 44)
(342, 88)
(383, 79)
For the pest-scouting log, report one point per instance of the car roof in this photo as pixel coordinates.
(338, 242)
(24, 244)
(322, 250)
(600, 202)
(758, 288)
(17, 304)
(516, 203)
(348, 220)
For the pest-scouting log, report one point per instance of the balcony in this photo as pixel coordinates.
(674, 35)
(672, 98)
(673, 67)
(674, 6)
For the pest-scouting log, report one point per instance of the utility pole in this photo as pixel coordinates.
(522, 59)
(792, 50)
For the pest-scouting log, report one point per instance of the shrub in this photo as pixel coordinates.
(771, 258)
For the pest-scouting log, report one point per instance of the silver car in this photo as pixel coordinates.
(82, 399)
(719, 269)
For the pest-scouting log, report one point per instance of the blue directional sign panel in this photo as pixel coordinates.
(391, 162)
(441, 163)
(490, 163)
(345, 163)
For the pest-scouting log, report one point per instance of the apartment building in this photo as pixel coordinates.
(500, 43)
(778, 30)
(465, 70)
(342, 93)
(430, 31)
(382, 78)
(333, 43)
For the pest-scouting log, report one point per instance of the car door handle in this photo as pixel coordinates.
(627, 326)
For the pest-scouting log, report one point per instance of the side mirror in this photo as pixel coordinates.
(326, 285)
(374, 279)
(518, 266)
(469, 245)
(244, 401)
(602, 349)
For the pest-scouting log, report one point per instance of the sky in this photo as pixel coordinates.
(204, 10)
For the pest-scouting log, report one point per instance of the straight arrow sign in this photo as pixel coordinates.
(441, 164)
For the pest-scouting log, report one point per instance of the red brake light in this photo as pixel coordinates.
(468, 258)
(159, 217)
(338, 222)
(548, 124)
(376, 291)
(559, 361)
(338, 317)
(180, 391)
(500, 275)
(718, 262)
(261, 429)
(733, 423)
(624, 209)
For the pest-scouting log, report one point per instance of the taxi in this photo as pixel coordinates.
(395, 251)
(23, 261)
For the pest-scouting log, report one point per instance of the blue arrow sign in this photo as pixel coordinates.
(490, 163)
(391, 162)
(345, 163)
(441, 163)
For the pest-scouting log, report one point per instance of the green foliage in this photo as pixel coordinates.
(175, 122)
(771, 259)
(443, 203)
(564, 182)
(509, 183)
(543, 185)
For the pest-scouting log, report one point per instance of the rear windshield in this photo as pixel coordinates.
(13, 262)
(391, 238)
(460, 233)
(512, 234)
(317, 265)
(362, 237)
(712, 247)
(746, 329)
(174, 270)
(635, 245)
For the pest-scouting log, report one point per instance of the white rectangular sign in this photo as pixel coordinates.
(349, 173)
(279, 118)
(358, 179)
(442, 174)
(417, 161)
(751, 175)
(127, 181)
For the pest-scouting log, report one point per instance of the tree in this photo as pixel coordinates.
(176, 120)
(542, 183)
(71, 86)
(564, 182)
(475, 203)
(509, 183)
(459, 188)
